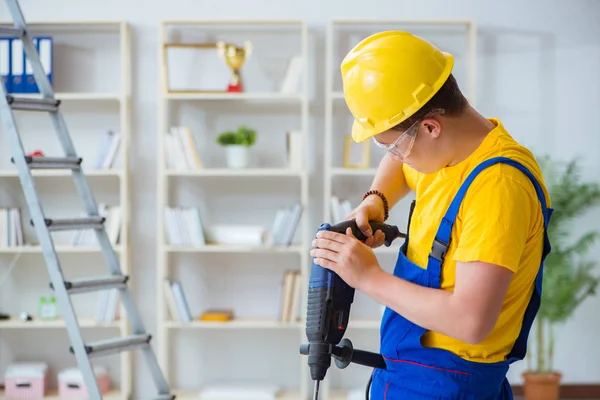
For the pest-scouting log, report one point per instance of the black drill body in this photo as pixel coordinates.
(328, 311)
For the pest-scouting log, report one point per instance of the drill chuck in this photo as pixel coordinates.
(319, 359)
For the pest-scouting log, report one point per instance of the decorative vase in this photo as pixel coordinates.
(541, 386)
(237, 156)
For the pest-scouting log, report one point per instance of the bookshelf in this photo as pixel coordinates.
(218, 243)
(348, 175)
(91, 75)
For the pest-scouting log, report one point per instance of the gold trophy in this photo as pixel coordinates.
(235, 57)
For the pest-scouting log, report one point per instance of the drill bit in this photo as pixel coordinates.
(316, 396)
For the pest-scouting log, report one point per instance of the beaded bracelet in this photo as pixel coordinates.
(383, 198)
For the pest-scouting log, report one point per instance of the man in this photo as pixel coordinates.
(467, 283)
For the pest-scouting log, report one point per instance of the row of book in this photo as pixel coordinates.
(284, 226)
(112, 224)
(340, 209)
(180, 147)
(15, 68)
(181, 153)
(184, 227)
(11, 227)
(177, 304)
(289, 300)
(108, 150)
(107, 306)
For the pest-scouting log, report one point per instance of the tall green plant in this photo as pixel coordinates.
(568, 276)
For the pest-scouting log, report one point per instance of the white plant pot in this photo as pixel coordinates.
(237, 156)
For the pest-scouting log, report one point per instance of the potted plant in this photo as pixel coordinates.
(568, 276)
(237, 144)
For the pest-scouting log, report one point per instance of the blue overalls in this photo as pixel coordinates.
(415, 372)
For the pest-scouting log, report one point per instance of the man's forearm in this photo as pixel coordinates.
(433, 309)
(390, 180)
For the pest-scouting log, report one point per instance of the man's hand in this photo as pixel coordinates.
(345, 255)
(370, 209)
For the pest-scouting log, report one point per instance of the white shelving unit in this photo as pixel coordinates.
(254, 347)
(349, 181)
(91, 75)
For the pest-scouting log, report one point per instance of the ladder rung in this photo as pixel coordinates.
(25, 103)
(74, 223)
(16, 32)
(114, 346)
(41, 162)
(95, 284)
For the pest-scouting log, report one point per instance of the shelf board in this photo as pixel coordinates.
(82, 23)
(68, 96)
(215, 248)
(40, 324)
(35, 249)
(195, 395)
(53, 395)
(13, 173)
(236, 172)
(240, 323)
(380, 21)
(234, 21)
(272, 96)
(354, 171)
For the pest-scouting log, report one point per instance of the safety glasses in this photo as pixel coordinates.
(403, 145)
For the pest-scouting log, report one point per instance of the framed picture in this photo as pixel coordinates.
(194, 68)
(356, 155)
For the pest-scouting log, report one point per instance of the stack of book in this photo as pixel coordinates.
(290, 299)
(11, 228)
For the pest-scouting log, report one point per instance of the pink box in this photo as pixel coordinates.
(71, 384)
(26, 380)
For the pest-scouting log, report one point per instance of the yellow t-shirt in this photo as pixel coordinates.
(500, 222)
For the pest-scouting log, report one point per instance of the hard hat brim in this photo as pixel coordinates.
(360, 133)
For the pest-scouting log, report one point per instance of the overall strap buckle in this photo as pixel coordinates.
(439, 249)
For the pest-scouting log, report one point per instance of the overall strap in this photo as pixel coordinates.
(442, 238)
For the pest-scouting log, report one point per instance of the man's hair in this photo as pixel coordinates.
(449, 98)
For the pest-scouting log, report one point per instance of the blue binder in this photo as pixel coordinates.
(43, 45)
(5, 64)
(29, 85)
(45, 48)
(17, 66)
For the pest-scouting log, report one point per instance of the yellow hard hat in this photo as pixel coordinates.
(388, 76)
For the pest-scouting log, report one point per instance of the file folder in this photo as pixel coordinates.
(45, 49)
(18, 66)
(43, 45)
(29, 85)
(5, 63)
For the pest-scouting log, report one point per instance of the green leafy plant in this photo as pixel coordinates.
(568, 275)
(243, 136)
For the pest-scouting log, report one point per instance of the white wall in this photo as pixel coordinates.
(538, 72)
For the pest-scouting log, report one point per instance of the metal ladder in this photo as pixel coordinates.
(44, 226)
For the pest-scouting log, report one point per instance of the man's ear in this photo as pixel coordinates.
(433, 126)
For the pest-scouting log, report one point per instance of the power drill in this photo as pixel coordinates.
(328, 311)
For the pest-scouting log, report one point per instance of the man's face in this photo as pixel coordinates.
(417, 146)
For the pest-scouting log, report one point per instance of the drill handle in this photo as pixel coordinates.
(391, 232)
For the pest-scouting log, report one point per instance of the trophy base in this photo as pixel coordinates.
(237, 88)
